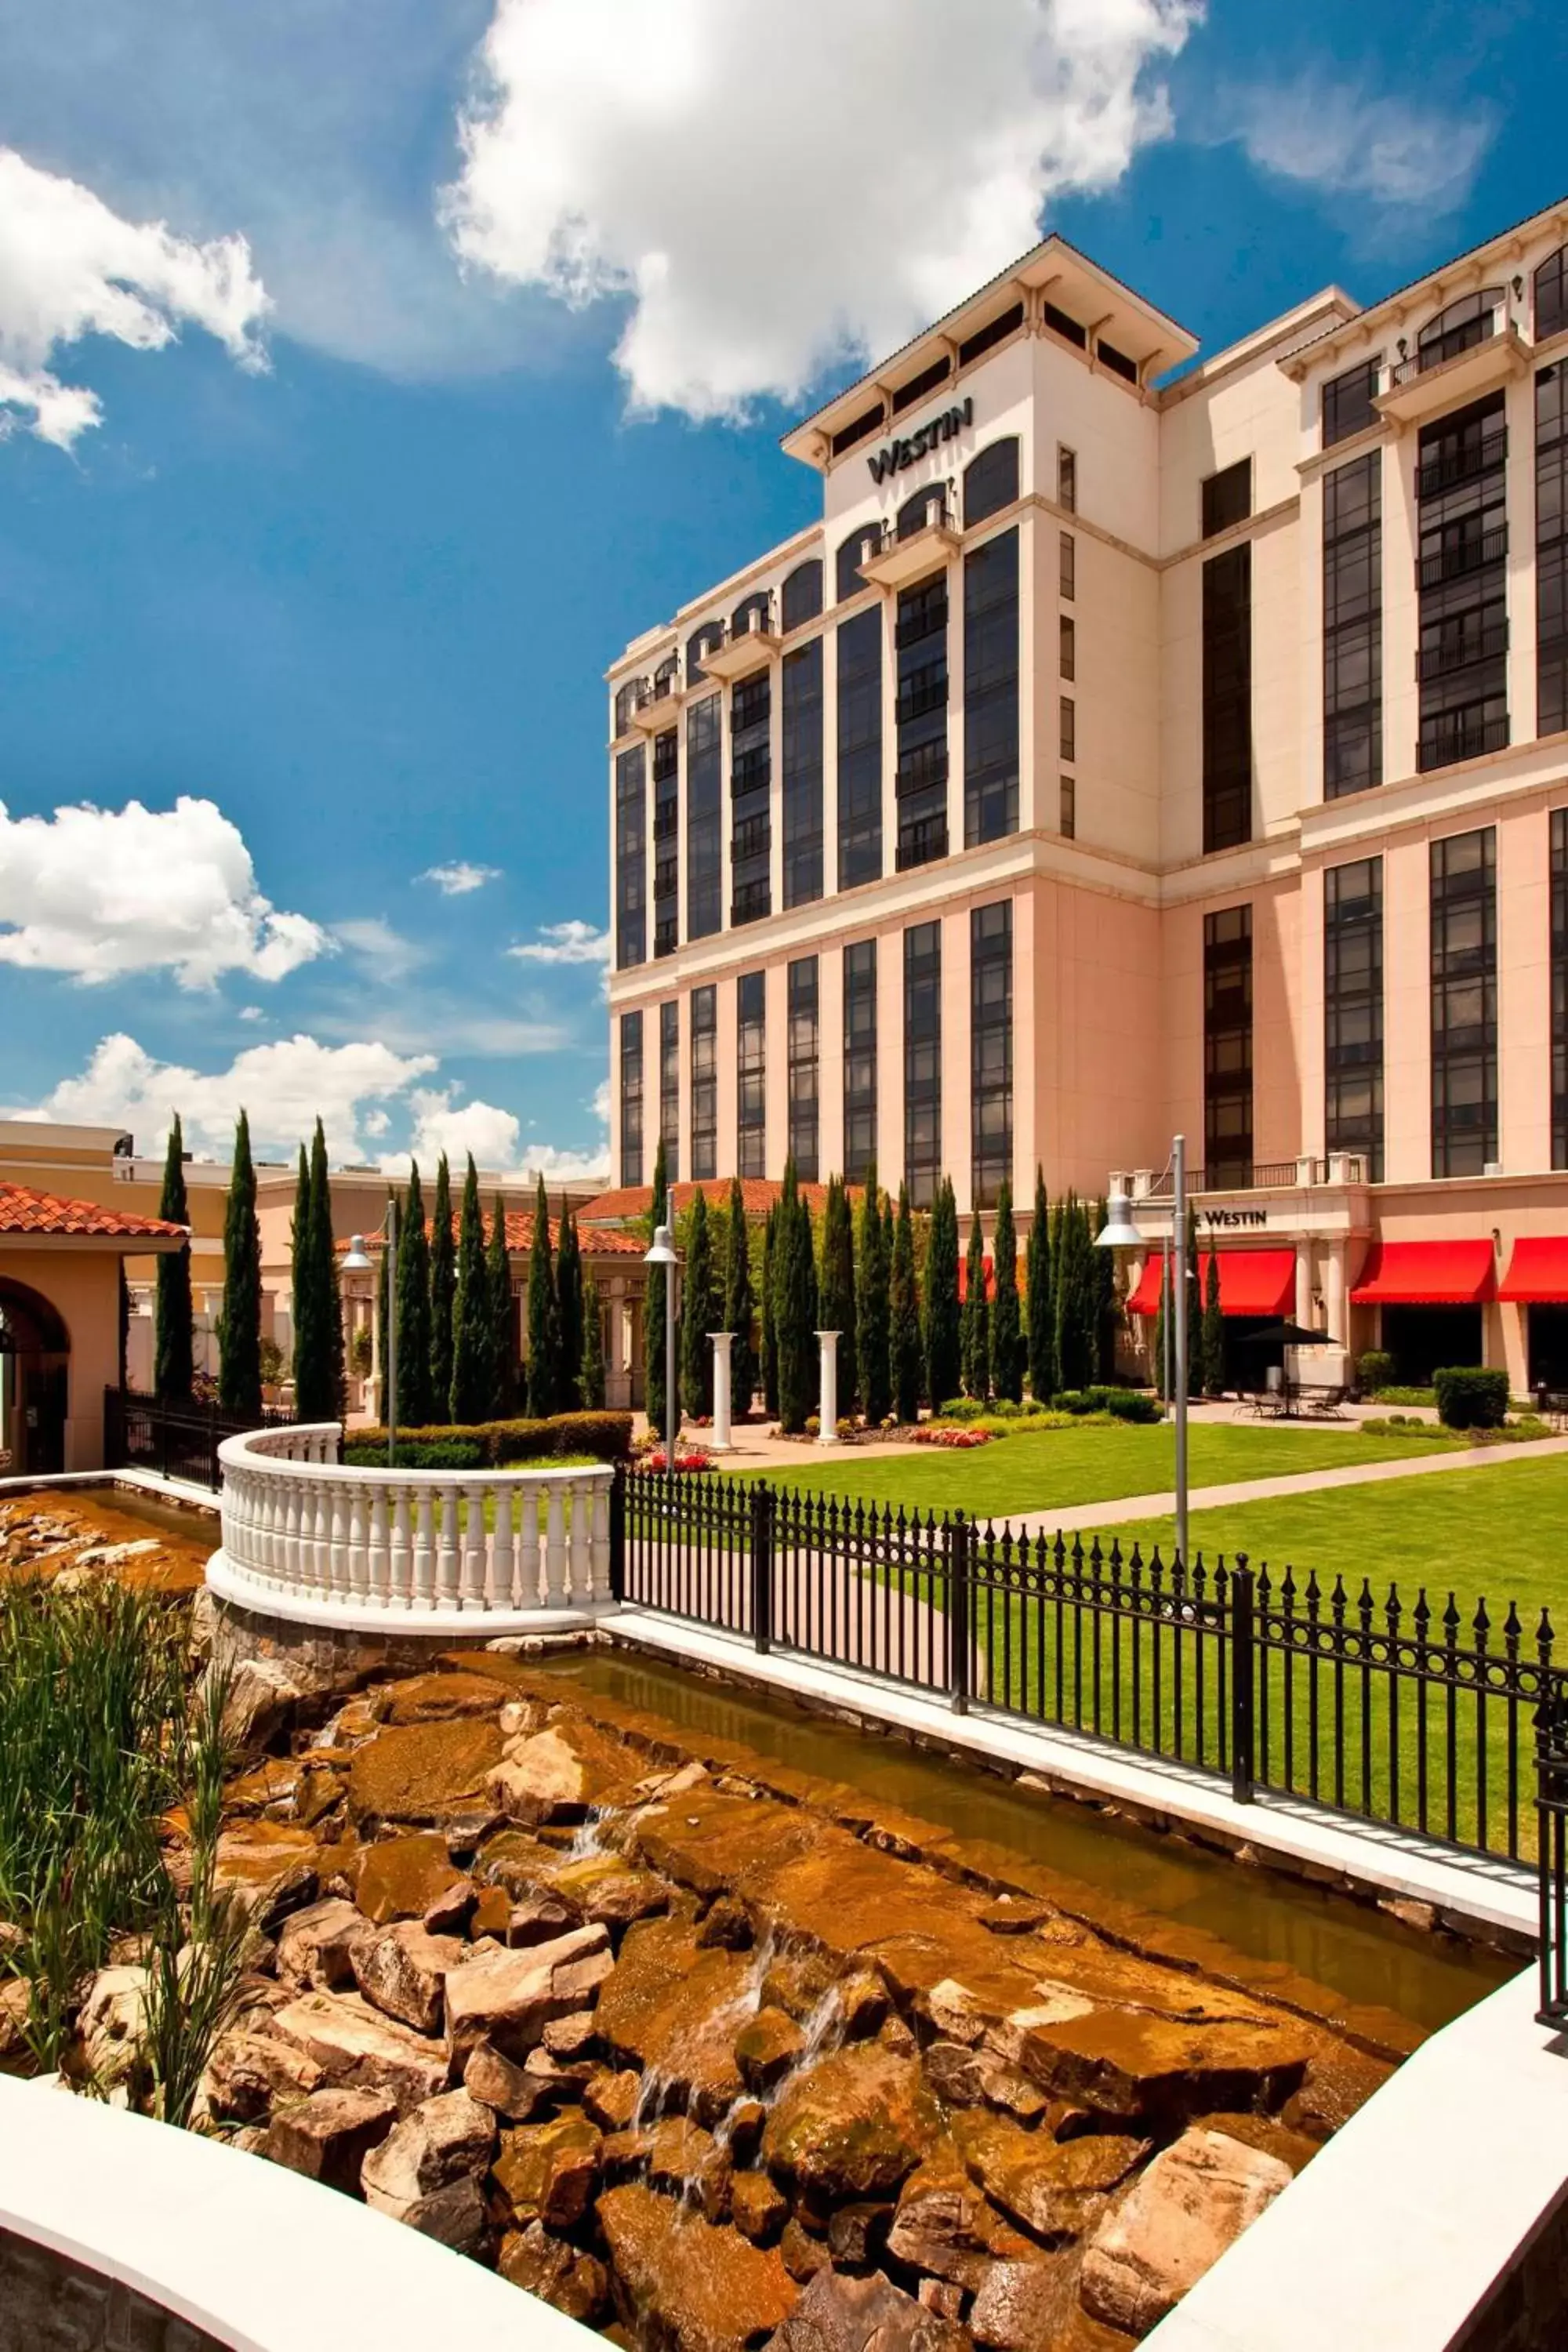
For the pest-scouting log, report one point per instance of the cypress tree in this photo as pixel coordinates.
(653, 1302)
(328, 1279)
(472, 1329)
(739, 1306)
(383, 1286)
(1006, 1338)
(794, 1307)
(304, 1303)
(591, 1372)
(239, 1330)
(873, 1331)
(904, 1351)
(1212, 1332)
(1042, 1312)
(974, 1319)
(321, 1387)
(543, 1319)
(1075, 1297)
(1107, 1305)
(697, 1316)
(943, 1358)
(413, 1276)
(443, 1290)
(889, 1234)
(770, 1347)
(837, 1288)
(503, 1339)
(568, 1311)
(172, 1361)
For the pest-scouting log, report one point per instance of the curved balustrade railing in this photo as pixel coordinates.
(300, 1528)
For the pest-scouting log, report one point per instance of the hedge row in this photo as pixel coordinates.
(496, 1445)
(1469, 1398)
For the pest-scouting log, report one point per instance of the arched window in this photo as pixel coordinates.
(705, 640)
(1551, 294)
(991, 480)
(927, 506)
(668, 674)
(852, 553)
(751, 612)
(1467, 322)
(625, 703)
(802, 597)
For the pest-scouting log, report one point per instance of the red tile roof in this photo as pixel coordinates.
(758, 1193)
(519, 1237)
(23, 1210)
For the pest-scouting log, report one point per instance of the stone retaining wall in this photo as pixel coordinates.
(50, 2303)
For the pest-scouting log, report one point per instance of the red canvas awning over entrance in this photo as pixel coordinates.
(1537, 1271)
(1425, 1274)
(1251, 1282)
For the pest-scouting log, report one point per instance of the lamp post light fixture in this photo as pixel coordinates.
(662, 1254)
(1121, 1232)
(358, 1261)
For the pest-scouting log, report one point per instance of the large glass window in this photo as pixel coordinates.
(803, 1058)
(1551, 550)
(1551, 295)
(801, 780)
(1461, 484)
(922, 1062)
(704, 640)
(670, 1085)
(1228, 699)
(631, 857)
(631, 1098)
(1227, 1049)
(666, 843)
(1352, 1010)
(801, 594)
(859, 1059)
(1469, 321)
(752, 1074)
(991, 1048)
(1067, 566)
(852, 553)
(1560, 988)
(704, 1082)
(922, 777)
(751, 817)
(1464, 1003)
(1352, 626)
(991, 689)
(1227, 496)
(704, 817)
(860, 749)
(991, 480)
(1347, 402)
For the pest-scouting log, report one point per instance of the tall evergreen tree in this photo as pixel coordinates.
(905, 1354)
(1041, 1305)
(1076, 1308)
(653, 1304)
(304, 1299)
(872, 1335)
(739, 1306)
(1006, 1338)
(836, 1286)
(503, 1330)
(943, 1357)
(544, 1383)
(443, 1290)
(697, 1315)
(1212, 1333)
(329, 1285)
(472, 1329)
(591, 1372)
(568, 1310)
(415, 1403)
(1108, 1310)
(794, 1307)
(769, 1343)
(239, 1329)
(173, 1357)
(974, 1317)
(889, 1234)
(384, 1280)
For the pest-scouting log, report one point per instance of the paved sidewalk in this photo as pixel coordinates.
(1264, 1490)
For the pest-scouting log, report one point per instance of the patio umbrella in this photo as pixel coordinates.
(1285, 1335)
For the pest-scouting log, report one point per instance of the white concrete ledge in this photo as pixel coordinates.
(260, 2258)
(455, 1623)
(1399, 2229)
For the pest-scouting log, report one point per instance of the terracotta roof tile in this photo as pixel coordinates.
(520, 1236)
(23, 1210)
(758, 1194)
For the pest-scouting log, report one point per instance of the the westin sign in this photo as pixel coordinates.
(899, 453)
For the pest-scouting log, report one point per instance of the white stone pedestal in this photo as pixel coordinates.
(719, 1441)
(828, 1434)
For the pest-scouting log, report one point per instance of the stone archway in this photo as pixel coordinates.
(35, 1366)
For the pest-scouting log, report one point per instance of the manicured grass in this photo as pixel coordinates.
(1058, 1468)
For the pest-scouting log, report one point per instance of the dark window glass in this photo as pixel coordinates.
(1068, 821)
(859, 1060)
(1227, 1049)
(1117, 361)
(1066, 647)
(922, 1062)
(801, 721)
(860, 545)
(751, 779)
(1464, 1003)
(705, 640)
(631, 858)
(1068, 718)
(1560, 988)
(991, 480)
(625, 703)
(991, 689)
(860, 749)
(1067, 479)
(1068, 566)
(754, 611)
(991, 1048)
(1552, 549)
(1068, 327)
(986, 338)
(919, 386)
(1458, 328)
(1353, 1011)
(917, 513)
(1347, 402)
(803, 1068)
(869, 421)
(801, 598)
(1228, 699)
(631, 1098)
(704, 1082)
(704, 818)
(752, 1074)
(1551, 294)
(666, 842)
(1352, 626)
(1462, 665)
(1227, 496)
(669, 1087)
(922, 776)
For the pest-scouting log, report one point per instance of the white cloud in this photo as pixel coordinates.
(572, 941)
(389, 955)
(458, 879)
(773, 189)
(282, 1085)
(70, 267)
(1339, 139)
(441, 1123)
(101, 892)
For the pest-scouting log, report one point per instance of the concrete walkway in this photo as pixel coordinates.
(1265, 1490)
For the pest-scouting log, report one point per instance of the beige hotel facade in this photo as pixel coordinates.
(1129, 751)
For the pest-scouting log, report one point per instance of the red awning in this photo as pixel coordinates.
(1537, 1271)
(1425, 1274)
(1251, 1282)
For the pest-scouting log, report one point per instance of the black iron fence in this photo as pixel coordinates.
(1551, 1837)
(177, 1440)
(1412, 1714)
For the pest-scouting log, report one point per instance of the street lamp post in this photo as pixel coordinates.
(661, 1254)
(1121, 1232)
(358, 1261)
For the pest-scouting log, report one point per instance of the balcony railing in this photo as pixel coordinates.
(667, 935)
(924, 689)
(933, 513)
(1459, 557)
(1443, 348)
(1461, 651)
(1251, 1176)
(921, 843)
(751, 772)
(922, 768)
(1455, 736)
(751, 902)
(666, 821)
(1471, 465)
(753, 838)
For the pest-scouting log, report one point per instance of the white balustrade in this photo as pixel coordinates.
(299, 1525)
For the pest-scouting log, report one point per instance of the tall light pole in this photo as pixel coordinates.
(661, 1254)
(358, 1261)
(1121, 1232)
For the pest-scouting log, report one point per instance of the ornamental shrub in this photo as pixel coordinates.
(416, 1453)
(1471, 1397)
(503, 1445)
(1374, 1371)
(1121, 1404)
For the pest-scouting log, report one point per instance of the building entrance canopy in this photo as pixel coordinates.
(1251, 1282)
(1427, 1274)
(1537, 1271)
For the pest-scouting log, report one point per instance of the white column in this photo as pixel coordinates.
(723, 1341)
(1336, 1307)
(828, 1434)
(1304, 1283)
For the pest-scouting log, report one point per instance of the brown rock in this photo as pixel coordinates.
(555, 2271)
(1293, 2147)
(492, 1914)
(602, 1886)
(939, 2296)
(560, 1773)
(247, 2072)
(402, 1969)
(327, 2136)
(453, 1909)
(538, 1919)
(756, 2207)
(321, 1791)
(260, 1698)
(439, 1698)
(13, 2017)
(679, 2155)
(726, 1923)
(401, 1877)
(1021, 2306)
(502, 2086)
(443, 2140)
(1131, 2064)
(1195, 2200)
(945, 2226)
(1055, 2189)
(271, 1868)
(1337, 2082)
(854, 2125)
(856, 2234)
(423, 1772)
(454, 2215)
(355, 2046)
(668, 2009)
(766, 2047)
(802, 2255)
(508, 1998)
(111, 2019)
(864, 2315)
(796, 1982)
(570, 2037)
(704, 2288)
(316, 1946)
(862, 2002)
(545, 2172)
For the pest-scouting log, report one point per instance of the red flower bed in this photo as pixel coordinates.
(689, 1457)
(955, 1440)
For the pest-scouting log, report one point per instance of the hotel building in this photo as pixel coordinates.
(1140, 743)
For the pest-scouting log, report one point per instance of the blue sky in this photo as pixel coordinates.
(316, 546)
